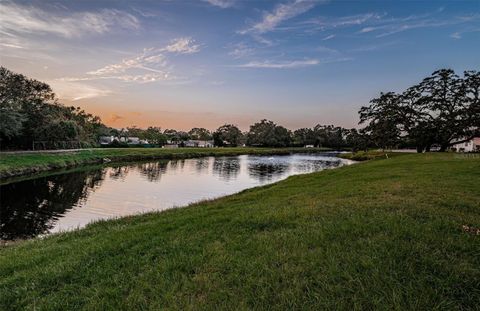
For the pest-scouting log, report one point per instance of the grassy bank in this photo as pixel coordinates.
(383, 234)
(22, 164)
(370, 155)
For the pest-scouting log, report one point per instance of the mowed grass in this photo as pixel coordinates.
(385, 234)
(20, 164)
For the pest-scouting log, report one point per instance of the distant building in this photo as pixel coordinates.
(472, 145)
(106, 140)
(170, 146)
(198, 143)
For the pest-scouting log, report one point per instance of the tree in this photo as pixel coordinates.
(30, 111)
(443, 109)
(303, 136)
(384, 116)
(197, 133)
(155, 136)
(227, 135)
(268, 134)
(357, 140)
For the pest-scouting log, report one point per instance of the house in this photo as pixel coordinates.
(133, 140)
(472, 145)
(198, 143)
(170, 146)
(106, 140)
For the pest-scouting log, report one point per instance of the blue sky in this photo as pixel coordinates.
(203, 63)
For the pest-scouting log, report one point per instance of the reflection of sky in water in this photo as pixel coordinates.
(66, 201)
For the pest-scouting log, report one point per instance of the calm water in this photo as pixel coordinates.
(71, 200)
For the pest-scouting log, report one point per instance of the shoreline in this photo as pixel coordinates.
(24, 164)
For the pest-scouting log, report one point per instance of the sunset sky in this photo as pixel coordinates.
(184, 64)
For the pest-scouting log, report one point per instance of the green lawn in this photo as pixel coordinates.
(384, 234)
(21, 164)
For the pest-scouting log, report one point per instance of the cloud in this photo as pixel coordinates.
(281, 65)
(280, 13)
(328, 37)
(28, 19)
(151, 59)
(144, 61)
(456, 35)
(397, 28)
(183, 46)
(329, 23)
(293, 64)
(459, 34)
(241, 50)
(149, 66)
(114, 118)
(384, 27)
(224, 4)
(74, 91)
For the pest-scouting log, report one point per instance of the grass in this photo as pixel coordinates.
(384, 234)
(370, 155)
(21, 164)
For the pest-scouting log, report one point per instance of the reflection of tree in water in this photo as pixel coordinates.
(202, 165)
(31, 207)
(226, 168)
(119, 173)
(153, 171)
(264, 171)
(315, 165)
(177, 164)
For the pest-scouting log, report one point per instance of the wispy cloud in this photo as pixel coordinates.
(459, 34)
(387, 26)
(328, 23)
(240, 50)
(293, 63)
(224, 4)
(280, 13)
(281, 65)
(74, 91)
(328, 37)
(152, 60)
(18, 19)
(183, 46)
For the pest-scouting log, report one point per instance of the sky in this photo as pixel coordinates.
(184, 64)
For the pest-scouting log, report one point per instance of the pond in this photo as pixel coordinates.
(66, 201)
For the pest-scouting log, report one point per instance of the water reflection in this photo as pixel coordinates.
(65, 201)
(227, 168)
(153, 171)
(31, 207)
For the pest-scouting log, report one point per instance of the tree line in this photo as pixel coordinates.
(264, 133)
(441, 110)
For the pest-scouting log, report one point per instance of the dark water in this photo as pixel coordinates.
(71, 200)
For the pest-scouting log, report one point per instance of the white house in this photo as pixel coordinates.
(105, 140)
(472, 145)
(199, 143)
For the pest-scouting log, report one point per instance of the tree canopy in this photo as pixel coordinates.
(29, 111)
(442, 110)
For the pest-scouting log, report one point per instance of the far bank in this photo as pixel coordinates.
(12, 164)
